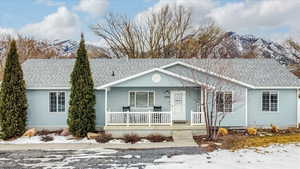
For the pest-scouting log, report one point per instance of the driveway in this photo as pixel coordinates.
(96, 158)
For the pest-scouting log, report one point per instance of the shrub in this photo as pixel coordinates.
(222, 132)
(156, 138)
(104, 138)
(47, 138)
(2, 136)
(13, 101)
(274, 129)
(45, 132)
(251, 131)
(131, 138)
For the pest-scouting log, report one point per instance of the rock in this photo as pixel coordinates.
(218, 144)
(204, 145)
(30, 132)
(65, 132)
(91, 135)
(269, 134)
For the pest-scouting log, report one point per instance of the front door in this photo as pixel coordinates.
(178, 105)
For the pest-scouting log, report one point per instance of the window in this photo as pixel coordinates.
(270, 101)
(141, 99)
(57, 101)
(224, 101)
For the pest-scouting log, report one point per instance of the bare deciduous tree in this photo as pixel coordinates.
(167, 33)
(219, 96)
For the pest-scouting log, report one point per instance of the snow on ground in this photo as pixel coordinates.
(273, 157)
(63, 139)
(57, 139)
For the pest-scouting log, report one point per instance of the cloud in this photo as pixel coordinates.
(50, 2)
(199, 8)
(260, 17)
(63, 24)
(256, 15)
(92, 7)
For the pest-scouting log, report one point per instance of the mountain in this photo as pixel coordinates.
(31, 48)
(243, 44)
(68, 48)
(234, 45)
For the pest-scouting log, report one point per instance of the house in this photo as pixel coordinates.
(161, 95)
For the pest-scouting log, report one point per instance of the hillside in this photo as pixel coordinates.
(245, 46)
(283, 53)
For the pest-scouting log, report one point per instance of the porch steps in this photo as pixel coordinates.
(184, 137)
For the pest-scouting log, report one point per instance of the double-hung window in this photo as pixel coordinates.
(224, 101)
(57, 102)
(270, 101)
(141, 99)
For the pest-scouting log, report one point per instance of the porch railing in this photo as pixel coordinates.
(197, 118)
(139, 118)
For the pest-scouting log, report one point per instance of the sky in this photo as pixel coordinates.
(66, 19)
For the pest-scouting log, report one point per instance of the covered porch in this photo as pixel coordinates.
(153, 107)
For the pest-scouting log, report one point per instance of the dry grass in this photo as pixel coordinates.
(239, 139)
(104, 138)
(239, 142)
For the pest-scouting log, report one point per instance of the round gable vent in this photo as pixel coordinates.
(156, 78)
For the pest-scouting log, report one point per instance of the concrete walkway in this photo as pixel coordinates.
(184, 137)
(78, 146)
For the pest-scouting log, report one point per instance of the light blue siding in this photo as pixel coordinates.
(146, 81)
(118, 97)
(286, 115)
(38, 110)
(238, 116)
(39, 115)
(100, 108)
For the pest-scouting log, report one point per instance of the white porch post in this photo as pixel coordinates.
(202, 99)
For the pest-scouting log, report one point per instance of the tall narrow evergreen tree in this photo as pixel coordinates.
(13, 102)
(81, 116)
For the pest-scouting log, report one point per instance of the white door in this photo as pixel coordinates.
(178, 105)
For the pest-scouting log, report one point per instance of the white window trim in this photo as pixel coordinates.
(56, 102)
(135, 91)
(271, 92)
(226, 92)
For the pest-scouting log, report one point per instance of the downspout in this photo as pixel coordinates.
(105, 108)
(298, 115)
(246, 108)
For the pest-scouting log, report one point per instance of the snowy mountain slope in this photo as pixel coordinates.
(264, 48)
(239, 45)
(51, 49)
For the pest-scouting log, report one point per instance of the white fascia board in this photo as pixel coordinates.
(227, 78)
(127, 78)
(150, 71)
(208, 72)
(280, 87)
(53, 88)
(184, 78)
(48, 88)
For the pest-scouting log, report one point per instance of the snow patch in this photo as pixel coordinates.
(272, 157)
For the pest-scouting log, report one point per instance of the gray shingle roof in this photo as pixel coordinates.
(55, 73)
